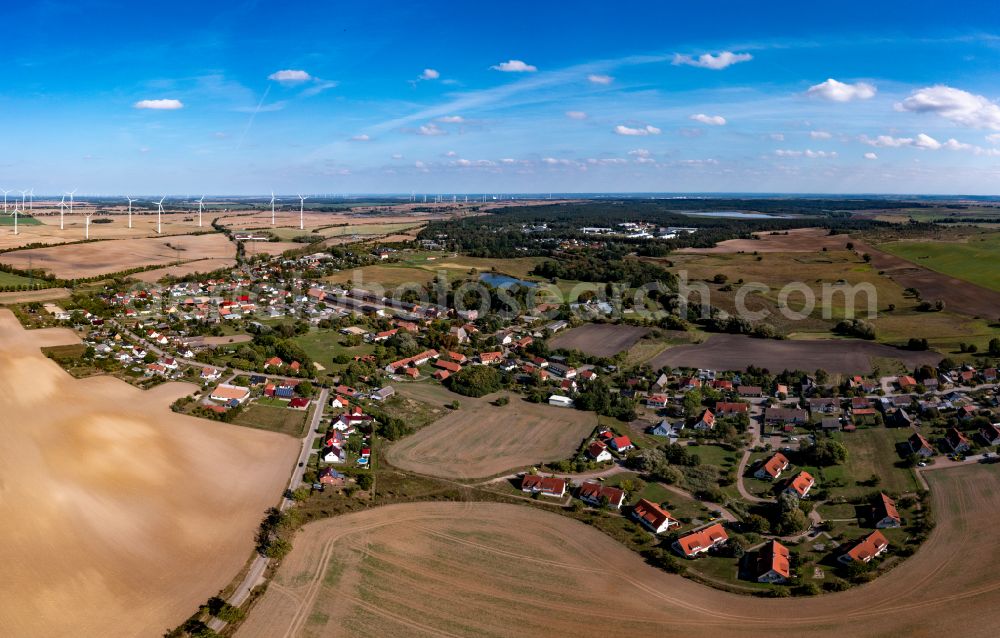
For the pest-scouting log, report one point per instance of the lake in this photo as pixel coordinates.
(499, 280)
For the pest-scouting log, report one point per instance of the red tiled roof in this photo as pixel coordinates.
(802, 483)
(774, 557)
(696, 541)
(868, 547)
(775, 464)
(651, 513)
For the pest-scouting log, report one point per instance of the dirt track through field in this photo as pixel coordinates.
(475, 569)
(959, 295)
(119, 516)
(480, 439)
(736, 352)
(797, 240)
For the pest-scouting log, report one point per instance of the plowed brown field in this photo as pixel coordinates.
(486, 569)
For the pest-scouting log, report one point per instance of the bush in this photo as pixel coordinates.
(476, 381)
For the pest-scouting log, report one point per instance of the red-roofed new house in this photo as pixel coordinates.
(957, 441)
(706, 422)
(884, 512)
(489, 358)
(598, 451)
(621, 444)
(772, 563)
(596, 494)
(920, 446)
(731, 408)
(800, 485)
(772, 468)
(869, 547)
(657, 401)
(546, 486)
(654, 517)
(699, 542)
(273, 362)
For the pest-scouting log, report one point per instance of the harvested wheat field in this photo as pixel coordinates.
(119, 516)
(736, 352)
(599, 339)
(189, 268)
(487, 569)
(797, 240)
(100, 257)
(28, 296)
(481, 439)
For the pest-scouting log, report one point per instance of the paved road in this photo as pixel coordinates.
(260, 563)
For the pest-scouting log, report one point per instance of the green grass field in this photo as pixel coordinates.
(873, 451)
(283, 420)
(324, 345)
(7, 220)
(7, 279)
(968, 260)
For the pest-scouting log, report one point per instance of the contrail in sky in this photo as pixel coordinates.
(252, 116)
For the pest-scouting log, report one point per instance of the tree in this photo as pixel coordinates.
(305, 388)
(476, 381)
(826, 452)
(365, 481)
(994, 347)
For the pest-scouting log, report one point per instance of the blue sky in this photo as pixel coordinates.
(393, 97)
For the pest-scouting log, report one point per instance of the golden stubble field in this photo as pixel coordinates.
(480, 439)
(488, 569)
(97, 258)
(119, 516)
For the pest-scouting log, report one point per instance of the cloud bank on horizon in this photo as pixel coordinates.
(350, 100)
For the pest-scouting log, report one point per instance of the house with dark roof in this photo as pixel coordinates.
(773, 565)
(654, 517)
(957, 441)
(920, 446)
(990, 433)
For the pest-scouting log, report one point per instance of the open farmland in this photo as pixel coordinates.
(736, 352)
(599, 340)
(99, 257)
(965, 259)
(481, 439)
(128, 515)
(395, 570)
(798, 240)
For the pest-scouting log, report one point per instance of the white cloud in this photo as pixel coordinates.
(954, 145)
(711, 120)
(871, 156)
(290, 75)
(576, 115)
(777, 137)
(397, 156)
(994, 138)
(840, 92)
(514, 66)
(886, 141)
(806, 153)
(714, 62)
(451, 154)
(820, 135)
(363, 137)
(621, 129)
(954, 104)
(430, 74)
(159, 105)
(926, 141)
(451, 119)
(431, 129)
(640, 152)
(699, 162)
(600, 79)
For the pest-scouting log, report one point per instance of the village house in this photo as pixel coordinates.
(783, 416)
(750, 391)
(560, 401)
(331, 477)
(334, 454)
(299, 403)
(800, 485)
(598, 450)
(990, 433)
(546, 486)
(957, 441)
(665, 429)
(700, 541)
(620, 444)
(210, 374)
(654, 517)
(730, 408)
(689, 383)
(871, 546)
(383, 393)
(773, 564)
(599, 495)
(225, 393)
(884, 513)
(920, 446)
(706, 422)
(772, 468)
(657, 401)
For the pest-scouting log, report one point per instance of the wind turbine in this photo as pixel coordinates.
(4, 199)
(272, 208)
(15, 218)
(201, 203)
(130, 200)
(159, 212)
(31, 199)
(62, 207)
(70, 193)
(24, 193)
(302, 206)
(87, 216)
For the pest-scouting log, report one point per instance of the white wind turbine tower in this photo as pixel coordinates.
(62, 210)
(302, 207)
(201, 204)
(70, 193)
(24, 194)
(5, 200)
(15, 217)
(130, 200)
(159, 213)
(87, 217)
(31, 198)
(272, 208)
